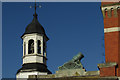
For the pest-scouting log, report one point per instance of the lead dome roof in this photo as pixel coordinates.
(35, 27)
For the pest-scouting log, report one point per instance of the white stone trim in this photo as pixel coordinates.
(109, 7)
(33, 34)
(26, 47)
(113, 29)
(23, 48)
(35, 47)
(42, 45)
(26, 75)
(33, 59)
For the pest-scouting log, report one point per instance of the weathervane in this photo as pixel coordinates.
(35, 7)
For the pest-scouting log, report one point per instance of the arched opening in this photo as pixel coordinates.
(31, 47)
(112, 12)
(106, 12)
(39, 47)
(118, 8)
(118, 11)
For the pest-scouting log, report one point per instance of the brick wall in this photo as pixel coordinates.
(111, 16)
(108, 71)
(111, 46)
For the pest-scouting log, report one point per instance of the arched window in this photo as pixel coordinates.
(39, 47)
(118, 8)
(112, 12)
(31, 47)
(106, 12)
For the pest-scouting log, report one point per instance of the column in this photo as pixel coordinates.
(35, 47)
(45, 54)
(42, 46)
(26, 47)
(23, 48)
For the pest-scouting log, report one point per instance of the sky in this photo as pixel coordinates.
(72, 27)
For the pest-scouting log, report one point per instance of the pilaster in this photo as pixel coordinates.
(23, 48)
(26, 47)
(42, 46)
(35, 47)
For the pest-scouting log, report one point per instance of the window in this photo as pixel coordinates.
(112, 13)
(106, 12)
(31, 47)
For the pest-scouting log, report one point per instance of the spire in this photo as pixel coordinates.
(35, 14)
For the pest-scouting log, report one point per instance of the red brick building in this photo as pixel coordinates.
(111, 15)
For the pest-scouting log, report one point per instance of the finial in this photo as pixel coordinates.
(35, 7)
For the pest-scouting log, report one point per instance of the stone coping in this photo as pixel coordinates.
(111, 4)
(70, 73)
(34, 54)
(34, 77)
(110, 64)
